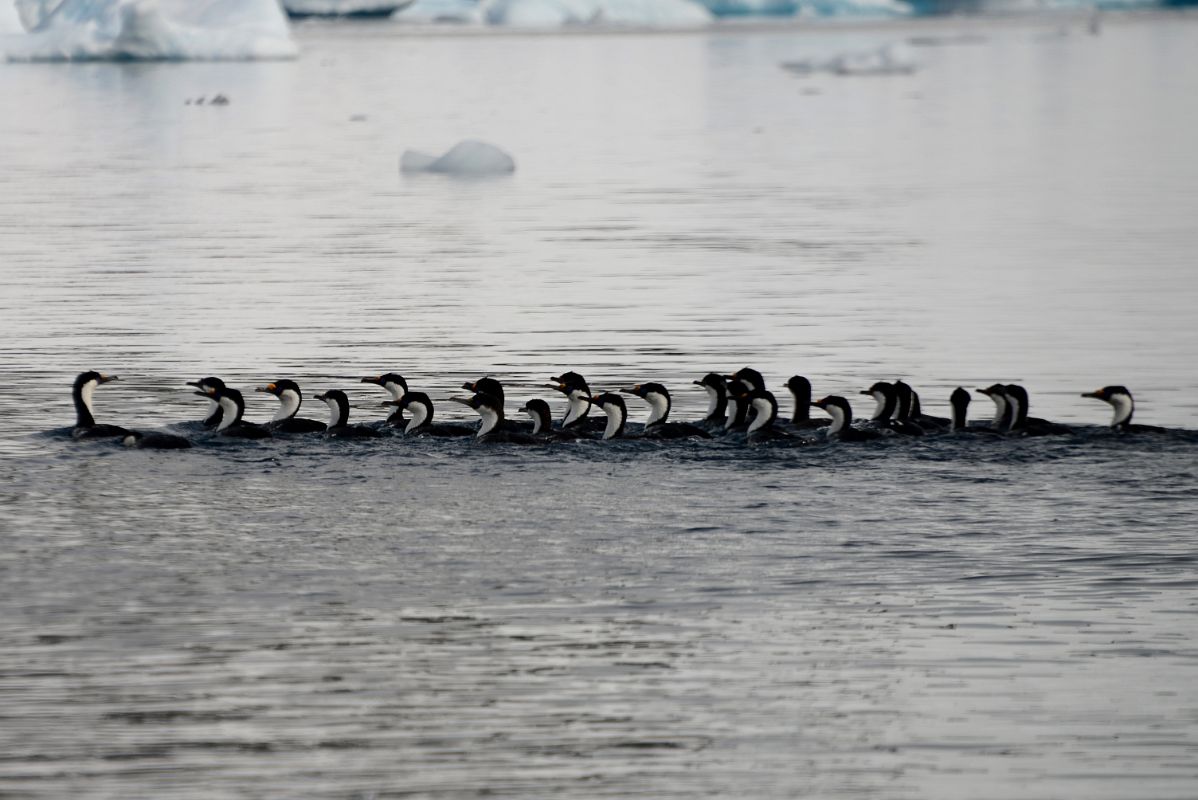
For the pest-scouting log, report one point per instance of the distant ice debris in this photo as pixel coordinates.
(68, 30)
(300, 9)
(561, 13)
(893, 59)
(470, 158)
(808, 8)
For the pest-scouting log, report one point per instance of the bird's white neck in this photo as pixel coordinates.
(579, 404)
(1123, 406)
(419, 416)
(659, 408)
(880, 408)
(289, 404)
(838, 419)
(230, 414)
(765, 413)
(615, 420)
(490, 419)
(1000, 408)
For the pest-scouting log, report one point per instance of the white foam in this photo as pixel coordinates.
(150, 29)
(470, 157)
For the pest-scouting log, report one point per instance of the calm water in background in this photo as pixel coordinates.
(430, 619)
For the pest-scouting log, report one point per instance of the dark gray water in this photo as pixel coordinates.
(931, 619)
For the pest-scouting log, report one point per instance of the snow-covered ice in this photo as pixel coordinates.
(470, 157)
(149, 29)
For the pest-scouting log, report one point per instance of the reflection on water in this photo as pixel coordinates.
(924, 620)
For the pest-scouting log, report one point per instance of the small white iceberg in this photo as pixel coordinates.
(470, 158)
(124, 30)
(893, 59)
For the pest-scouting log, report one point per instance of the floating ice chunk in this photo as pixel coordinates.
(560, 13)
(470, 157)
(893, 59)
(299, 9)
(149, 29)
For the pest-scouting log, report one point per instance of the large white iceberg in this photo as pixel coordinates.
(559, 13)
(149, 29)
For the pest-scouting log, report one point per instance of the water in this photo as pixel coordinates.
(936, 619)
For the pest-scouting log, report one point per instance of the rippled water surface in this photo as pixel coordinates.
(941, 618)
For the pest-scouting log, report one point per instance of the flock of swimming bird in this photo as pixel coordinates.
(739, 406)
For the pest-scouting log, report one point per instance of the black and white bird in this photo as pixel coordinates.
(883, 418)
(542, 422)
(397, 387)
(339, 427)
(959, 400)
(658, 425)
(232, 406)
(1002, 409)
(290, 399)
(420, 423)
(1121, 401)
(765, 413)
(842, 421)
(737, 413)
(800, 390)
(717, 401)
(578, 402)
(491, 429)
(203, 385)
(750, 380)
(613, 406)
(82, 393)
(1024, 425)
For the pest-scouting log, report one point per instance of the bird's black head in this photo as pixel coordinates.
(643, 390)
(959, 397)
(204, 384)
(882, 387)
(993, 390)
(384, 379)
(486, 385)
(278, 387)
(750, 377)
(99, 378)
(799, 386)
(713, 381)
(1107, 392)
(609, 399)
